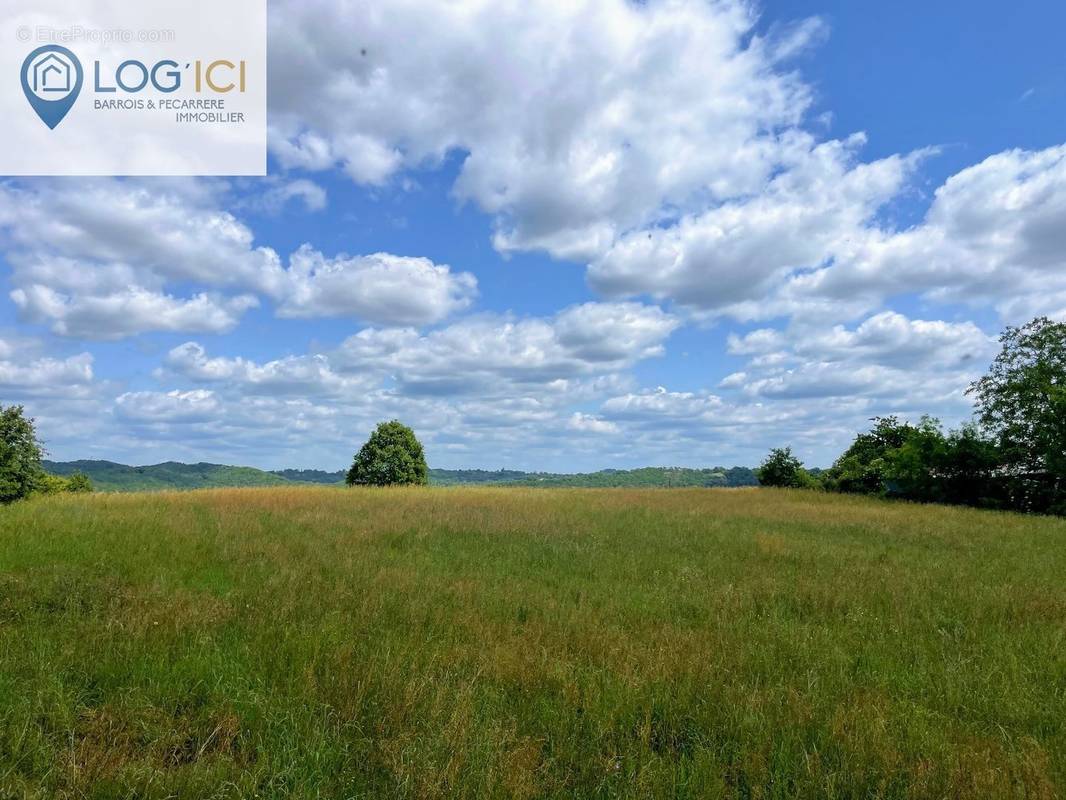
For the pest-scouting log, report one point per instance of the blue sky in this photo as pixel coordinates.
(562, 237)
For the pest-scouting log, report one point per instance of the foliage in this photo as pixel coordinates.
(1015, 459)
(108, 476)
(864, 467)
(47, 484)
(79, 483)
(783, 470)
(50, 484)
(1022, 403)
(392, 456)
(310, 476)
(920, 463)
(20, 455)
(646, 477)
(530, 644)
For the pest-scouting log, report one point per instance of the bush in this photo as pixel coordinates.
(783, 470)
(79, 483)
(47, 485)
(20, 455)
(392, 456)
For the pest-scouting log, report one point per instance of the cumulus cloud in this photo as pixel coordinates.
(577, 121)
(22, 375)
(490, 383)
(887, 339)
(199, 405)
(381, 287)
(589, 423)
(580, 350)
(899, 362)
(739, 251)
(992, 237)
(128, 312)
(96, 260)
(490, 354)
(295, 375)
(663, 144)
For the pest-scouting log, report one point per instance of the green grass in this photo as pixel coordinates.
(316, 643)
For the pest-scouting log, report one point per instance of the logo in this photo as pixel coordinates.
(51, 79)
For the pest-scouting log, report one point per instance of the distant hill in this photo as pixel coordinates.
(648, 477)
(107, 476)
(310, 475)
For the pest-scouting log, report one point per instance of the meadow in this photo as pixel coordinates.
(316, 643)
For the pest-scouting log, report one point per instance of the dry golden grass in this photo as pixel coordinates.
(308, 643)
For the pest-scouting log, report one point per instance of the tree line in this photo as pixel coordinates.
(1012, 455)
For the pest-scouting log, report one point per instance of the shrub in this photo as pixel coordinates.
(79, 483)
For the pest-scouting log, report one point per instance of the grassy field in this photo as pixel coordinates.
(317, 643)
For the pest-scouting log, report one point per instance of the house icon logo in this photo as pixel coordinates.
(51, 79)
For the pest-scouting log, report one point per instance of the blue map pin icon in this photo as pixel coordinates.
(51, 79)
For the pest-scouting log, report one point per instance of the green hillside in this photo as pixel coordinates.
(107, 476)
(310, 475)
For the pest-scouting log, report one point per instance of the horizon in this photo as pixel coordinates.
(442, 469)
(595, 236)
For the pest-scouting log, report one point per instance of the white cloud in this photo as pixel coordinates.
(197, 406)
(887, 339)
(893, 360)
(164, 230)
(273, 195)
(491, 354)
(588, 423)
(22, 376)
(578, 353)
(663, 144)
(294, 375)
(125, 313)
(384, 288)
(95, 259)
(993, 236)
(738, 252)
(579, 121)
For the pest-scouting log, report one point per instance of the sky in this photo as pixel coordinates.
(562, 236)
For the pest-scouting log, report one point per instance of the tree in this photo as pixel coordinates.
(864, 467)
(783, 470)
(20, 455)
(969, 470)
(392, 456)
(1021, 402)
(912, 470)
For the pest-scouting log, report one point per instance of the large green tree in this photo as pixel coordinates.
(20, 455)
(1022, 403)
(392, 456)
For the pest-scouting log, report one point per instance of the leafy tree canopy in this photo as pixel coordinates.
(392, 456)
(1022, 404)
(20, 455)
(784, 470)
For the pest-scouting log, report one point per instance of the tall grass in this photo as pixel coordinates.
(315, 643)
